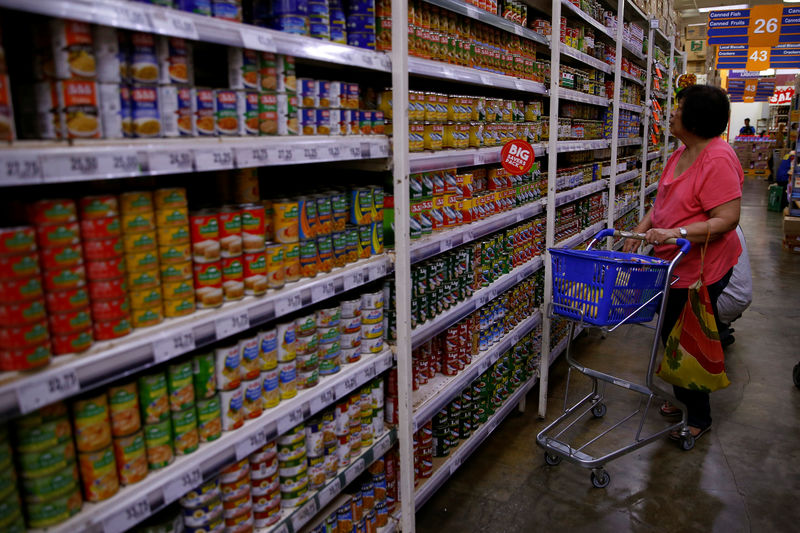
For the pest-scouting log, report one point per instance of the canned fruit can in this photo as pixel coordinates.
(291, 262)
(173, 236)
(250, 363)
(253, 401)
(270, 388)
(124, 409)
(158, 441)
(153, 398)
(184, 427)
(287, 337)
(139, 242)
(180, 386)
(92, 424)
(287, 380)
(268, 349)
(131, 458)
(98, 474)
(33, 465)
(228, 367)
(232, 405)
(276, 268)
(286, 220)
(209, 419)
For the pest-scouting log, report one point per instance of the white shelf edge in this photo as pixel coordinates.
(630, 77)
(584, 235)
(586, 59)
(108, 360)
(632, 107)
(625, 177)
(653, 155)
(576, 96)
(580, 191)
(650, 188)
(446, 71)
(441, 160)
(576, 146)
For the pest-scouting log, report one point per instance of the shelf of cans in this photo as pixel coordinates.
(627, 199)
(578, 146)
(650, 188)
(579, 191)
(573, 228)
(162, 429)
(627, 176)
(431, 161)
(653, 155)
(440, 374)
(348, 28)
(444, 443)
(631, 107)
(605, 22)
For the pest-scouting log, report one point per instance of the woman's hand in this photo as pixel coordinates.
(631, 245)
(660, 235)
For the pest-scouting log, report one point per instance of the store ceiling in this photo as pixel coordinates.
(688, 9)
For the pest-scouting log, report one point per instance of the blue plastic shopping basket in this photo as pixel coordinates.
(604, 288)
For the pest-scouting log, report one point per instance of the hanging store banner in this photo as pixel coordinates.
(755, 59)
(758, 27)
(517, 157)
(782, 95)
(751, 90)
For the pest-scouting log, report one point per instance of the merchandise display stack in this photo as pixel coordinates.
(263, 267)
(754, 154)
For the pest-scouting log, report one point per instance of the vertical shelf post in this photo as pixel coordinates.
(612, 179)
(647, 112)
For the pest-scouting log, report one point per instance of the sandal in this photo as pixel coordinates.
(676, 434)
(667, 409)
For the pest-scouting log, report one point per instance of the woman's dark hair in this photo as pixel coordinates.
(706, 110)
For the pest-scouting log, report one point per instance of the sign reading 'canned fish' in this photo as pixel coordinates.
(759, 26)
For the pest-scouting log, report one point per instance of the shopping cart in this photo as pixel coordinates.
(608, 289)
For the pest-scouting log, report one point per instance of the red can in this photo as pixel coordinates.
(102, 249)
(205, 236)
(230, 231)
(25, 358)
(16, 290)
(57, 258)
(105, 330)
(60, 211)
(67, 323)
(108, 289)
(21, 313)
(25, 336)
(67, 301)
(105, 310)
(232, 269)
(64, 279)
(101, 228)
(58, 235)
(103, 206)
(108, 269)
(208, 275)
(253, 227)
(255, 264)
(72, 343)
(19, 266)
(19, 240)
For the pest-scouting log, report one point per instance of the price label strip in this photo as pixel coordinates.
(327, 494)
(346, 386)
(324, 290)
(232, 324)
(356, 279)
(289, 421)
(168, 162)
(377, 271)
(355, 470)
(47, 390)
(304, 514)
(214, 159)
(173, 345)
(128, 17)
(284, 306)
(257, 40)
(251, 157)
(18, 168)
(251, 444)
(127, 517)
(383, 446)
(168, 23)
(178, 487)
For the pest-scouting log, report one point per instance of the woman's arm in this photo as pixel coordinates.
(722, 219)
(632, 244)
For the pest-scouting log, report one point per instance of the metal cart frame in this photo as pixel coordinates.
(556, 449)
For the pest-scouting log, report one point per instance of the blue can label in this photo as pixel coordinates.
(287, 372)
(144, 111)
(361, 40)
(201, 7)
(270, 380)
(227, 9)
(297, 24)
(290, 7)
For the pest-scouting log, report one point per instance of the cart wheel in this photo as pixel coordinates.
(552, 460)
(599, 410)
(600, 478)
(796, 375)
(687, 443)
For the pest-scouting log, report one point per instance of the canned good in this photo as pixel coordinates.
(180, 385)
(286, 336)
(178, 290)
(253, 227)
(139, 242)
(158, 441)
(255, 273)
(270, 388)
(97, 250)
(153, 398)
(228, 367)
(52, 512)
(179, 235)
(107, 228)
(98, 474)
(205, 112)
(169, 197)
(232, 405)
(209, 419)
(202, 495)
(172, 217)
(286, 220)
(184, 426)
(253, 402)
(144, 318)
(177, 308)
(287, 380)
(92, 424)
(26, 266)
(275, 265)
(268, 349)
(124, 409)
(230, 231)
(41, 436)
(47, 488)
(206, 245)
(291, 262)
(131, 458)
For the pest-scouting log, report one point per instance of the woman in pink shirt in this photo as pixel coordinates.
(699, 193)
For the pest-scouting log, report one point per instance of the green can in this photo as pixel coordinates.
(209, 419)
(180, 386)
(54, 511)
(8, 482)
(204, 376)
(153, 398)
(46, 462)
(56, 485)
(41, 437)
(158, 440)
(352, 239)
(184, 426)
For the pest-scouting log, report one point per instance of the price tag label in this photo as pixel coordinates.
(323, 291)
(330, 492)
(251, 444)
(482, 300)
(383, 446)
(354, 470)
(335, 151)
(257, 40)
(321, 401)
(353, 280)
(178, 487)
(214, 159)
(455, 462)
(304, 514)
(232, 324)
(283, 528)
(345, 387)
(289, 421)
(386, 363)
(354, 151)
(47, 390)
(284, 306)
(377, 271)
(251, 157)
(125, 164)
(485, 364)
(170, 22)
(486, 80)
(127, 517)
(366, 60)
(58, 167)
(19, 168)
(365, 151)
(169, 162)
(480, 158)
(173, 345)
(129, 17)
(370, 372)
(310, 154)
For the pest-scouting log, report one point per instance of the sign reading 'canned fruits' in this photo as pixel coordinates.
(758, 26)
(517, 157)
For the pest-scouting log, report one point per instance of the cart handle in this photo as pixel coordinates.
(608, 232)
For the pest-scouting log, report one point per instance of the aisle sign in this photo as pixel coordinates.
(751, 89)
(517, 157)
(754, 59)
(759, 26)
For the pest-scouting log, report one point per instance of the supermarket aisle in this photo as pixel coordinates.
(742, 476)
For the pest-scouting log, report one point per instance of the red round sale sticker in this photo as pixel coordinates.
(517, 157)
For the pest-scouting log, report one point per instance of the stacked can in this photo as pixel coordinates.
(338, 23)
(351, 330)
(389, 313)
(423, 452)
(202, 507)
(265, 485)
(366, 416)
(48, 473)
(126, 431)
(270, 378)
(307, 351)
(250, 370)
(12, 519)
(329, 443)
(354, 413)
(329, 331)
(183, 411)
(155, 413)
(174, 251)
(64, 277)
(287, 359)
(285, 223)
(342, 431)
(361, 24)
(209, 411)
(315, 451)
(206, 258)
(22, 303)
(140, 243)
(372, 332)
(231, 248)
(319, 19)
(237, 500)
(105, 262)
(98, 468)
(293, 467)
(227, 363)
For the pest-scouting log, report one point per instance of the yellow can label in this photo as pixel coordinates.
(136, 202)
(177, 271)
(146, 298)
(178, 290)
(174, 253)
(172, 217)
(146, 279)
(170, 197)
(150, 316)
(141, 261)
(139, 242)
(174, 235)
(138, 222)
(182, 307)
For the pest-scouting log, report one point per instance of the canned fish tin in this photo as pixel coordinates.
(209, 419)
(372, 317)
(372, 300)
(60, 324)
(203, 514)
(307, 362)
(228, 371)
(351, 355)
(351, 308)
(153, 398)
(64, 279)
(180, 386)
(253, 402)
(232, 404)
(351, 340)
(124, 409)
(158, 440)
(270, 388)
(184, 427)
(329, 335)
(131, 458)
(291, 262)
(287, 380)
(351, 325)
(96, 250)
(92, 424)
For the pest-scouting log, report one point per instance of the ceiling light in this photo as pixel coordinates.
(703, 23)
(791, 1)
(723, 8)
